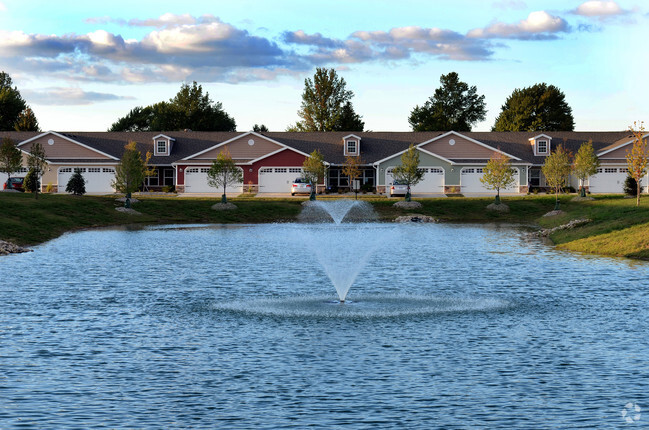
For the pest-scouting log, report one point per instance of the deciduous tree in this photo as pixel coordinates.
(314, 170)
(637, 159)
(408, 171)
(36, 161)
(585, 164)
(556, 169)
(454, 106)
(224, 172)
(352, 169)
(540, 107)
(326, 104)
(11, 158)
(129, 173)
(189, 109)
(497, 174)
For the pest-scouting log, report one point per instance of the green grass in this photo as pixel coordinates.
(618, 227)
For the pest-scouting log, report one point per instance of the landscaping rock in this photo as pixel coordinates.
(128, 211)
(581, 199)
(10, 190)
(123, 200)
(498, 208)
(224, 207)
(407, 205)
(554, 213)
(572, 224)
(415, 218)
(9, 248)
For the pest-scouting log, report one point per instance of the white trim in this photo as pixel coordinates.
(242, 136)
(540, 136)
(351, 135)
(163, 135)
(376, 163)
(477, 142)
(69, 140)
(621, 145)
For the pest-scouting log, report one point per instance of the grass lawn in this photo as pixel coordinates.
(618, 227)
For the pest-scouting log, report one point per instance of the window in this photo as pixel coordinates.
(623, 170)
(542, 147)
(351, 147)
(436, 170)
(281, 170)
(467, 171)
(94, 170)
(108, 170)
(161, 146)
(294, 170)
(65, 170)
(192, 170)
(205, 169)
(610, 170)
(479, 170)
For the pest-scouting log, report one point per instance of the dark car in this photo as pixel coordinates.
(14, 184)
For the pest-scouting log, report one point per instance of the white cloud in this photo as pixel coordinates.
(61, 96)
(599, 8)
(539, 25)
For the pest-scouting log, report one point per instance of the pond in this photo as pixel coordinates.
(210, 326)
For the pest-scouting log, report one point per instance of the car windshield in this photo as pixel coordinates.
(398, 183)
(301, 181)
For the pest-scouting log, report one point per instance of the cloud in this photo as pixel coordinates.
(600, 9)
(539, 25)
(301, 38)
(60, 96)
(3, 8)
(510, 4)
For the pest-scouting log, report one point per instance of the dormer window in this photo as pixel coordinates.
(161, 146)
(542, 147)
(351, 147)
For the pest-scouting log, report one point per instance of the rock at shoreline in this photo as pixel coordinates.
(128, 211)
(498, 208)
(581, 199)
(554, 213)
(572, 224)
(407, 205)
(123, 200)
(415, 218)
(9, 248)
(224, 207)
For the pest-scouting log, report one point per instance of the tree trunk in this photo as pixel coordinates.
(497, 196)
(638, 188)
(556, 202)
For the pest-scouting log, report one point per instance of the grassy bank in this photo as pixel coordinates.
(618, 227)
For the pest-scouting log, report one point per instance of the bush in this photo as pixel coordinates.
(31, 183)
(76, 185)
(49, 187)
(630, 186)
(169, 189)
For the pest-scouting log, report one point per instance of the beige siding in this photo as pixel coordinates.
(62, 148)
(462, 148)
(241, 149)
(619, 154)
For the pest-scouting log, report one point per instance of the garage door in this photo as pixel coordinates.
(196, 182)
(608, 180)
(470, 181)
(432, 182)
(277, 179)
(98, 179)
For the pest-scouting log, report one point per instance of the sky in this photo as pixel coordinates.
(81, 65)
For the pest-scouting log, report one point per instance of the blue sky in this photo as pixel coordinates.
(82, 65)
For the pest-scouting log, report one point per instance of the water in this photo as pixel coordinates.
(239, 327)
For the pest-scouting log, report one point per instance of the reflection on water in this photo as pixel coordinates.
(459, 326)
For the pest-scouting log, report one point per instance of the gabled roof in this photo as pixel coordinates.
(162, 135)
(540, 136)
(619, 144)
(455, 133)
(69, 140)
(398, 154)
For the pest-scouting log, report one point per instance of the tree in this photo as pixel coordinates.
(408, 171)
(36, 161)
(14, 112)
(27, 121)
(454, 106)
(540, 107)
(637, 159)
(149, 170)
(585, 164)
(556, 169)
(314, 170)
(259, 128)
(630, 186)
(11, 159)
(326, 104)
(189, 109)
(31, 182)
(352, 169)
(129, 173)
(224, 172)
(76, 184)
(498, 174)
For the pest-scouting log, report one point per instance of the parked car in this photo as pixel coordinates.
(300, 186)
(398, 189)
(14, 184)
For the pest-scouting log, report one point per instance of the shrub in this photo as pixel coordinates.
(630, 186)
(31, 183)
(76, 184)
(49, 187)
(169, 189)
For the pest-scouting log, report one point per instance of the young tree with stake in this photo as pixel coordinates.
(556, 169)
(314, 170)
(224, 172)
(637, 159)
(408, 171)
(129, 173)
(498, 174)
(585, 165)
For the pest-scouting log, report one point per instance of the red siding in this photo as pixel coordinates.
(286, 158)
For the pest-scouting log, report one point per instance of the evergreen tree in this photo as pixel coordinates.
(630, 186)
(37, 162)
(76, 184)
(637, 159)
(454, 106)
(27, 121)
(11, 158)
(14, 112)
(259, 128)
(32, 182)
(540, 107)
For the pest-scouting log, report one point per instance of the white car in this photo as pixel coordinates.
(301, 186)
(398, 189)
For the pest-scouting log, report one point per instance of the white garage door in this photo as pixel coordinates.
(277, 179)
(432, 182)
(98, 179)
(608, 180)
(196, 182)
(470, 181)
